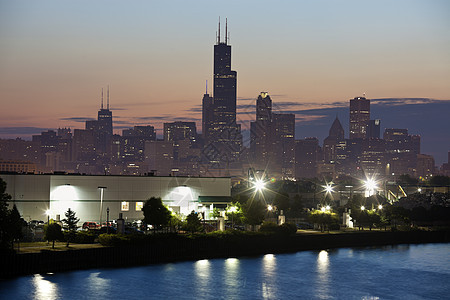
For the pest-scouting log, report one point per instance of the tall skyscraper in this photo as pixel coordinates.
(359, 117)
(102, 128)
(260, 131)
(330, 144)
(223, 145)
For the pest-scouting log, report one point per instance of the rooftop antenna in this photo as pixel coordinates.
(107, 99)
(226, 30)
(102, 99)
(218, 36)
(206, 86)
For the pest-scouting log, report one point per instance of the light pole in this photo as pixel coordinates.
(102, 188)
(107, 220)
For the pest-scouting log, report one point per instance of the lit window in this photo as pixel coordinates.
(125, 206)
(139, 206)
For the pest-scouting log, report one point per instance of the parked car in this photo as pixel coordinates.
(90, 225)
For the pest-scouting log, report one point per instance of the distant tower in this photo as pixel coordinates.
(335, 136)
(223, 140)
(207, 114)
(359, 117)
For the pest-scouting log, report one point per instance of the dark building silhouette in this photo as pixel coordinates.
(260, 132)
(307, 153)
(374, 129)
(272, 139)
(359, 117)
(223, 136)
(401, 151)
(331, 142)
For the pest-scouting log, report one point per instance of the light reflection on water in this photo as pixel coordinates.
(44, 289)
(322, 274)
(413, 272)
(268, 285)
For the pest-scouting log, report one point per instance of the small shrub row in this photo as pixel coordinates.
(285, 229)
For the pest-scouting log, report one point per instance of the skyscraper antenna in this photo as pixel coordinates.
(102, 100)
(218, 36)
(107, 99)
(206, 86)
(226, 30)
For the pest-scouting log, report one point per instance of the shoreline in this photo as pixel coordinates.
(171, 248)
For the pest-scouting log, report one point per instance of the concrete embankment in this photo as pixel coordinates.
(176, 248)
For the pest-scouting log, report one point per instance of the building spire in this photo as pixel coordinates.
(206, 86)
(218, 36)
(226, 31)
(102, 100)
(107, 99)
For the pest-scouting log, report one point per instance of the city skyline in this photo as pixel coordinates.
(58, 65)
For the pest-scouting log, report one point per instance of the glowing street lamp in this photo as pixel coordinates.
(327, 207)
(362, 208)
(370, 186)
(259, 185)
(380, 207)
(102, 188)
(269, 207)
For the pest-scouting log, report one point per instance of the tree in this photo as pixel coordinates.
(193, 223)
(282, 202)
(323, 218)
(155, 213)
(53, 233)
(215, 213)
(70, 222)
(253, 212)
(296, 210)
(15, 224)
(5, 234)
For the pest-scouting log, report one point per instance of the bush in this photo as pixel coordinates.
(113, 239)
(287, 228)
(84, 237)
(269, 227)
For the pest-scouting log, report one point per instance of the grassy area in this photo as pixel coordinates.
(59, 246)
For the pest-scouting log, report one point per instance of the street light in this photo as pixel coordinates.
(107, 220)
(102, 188)
(259, 185)
(47, 212)
(362, 207)
(269, 207)
(370, 185)
(380, 207)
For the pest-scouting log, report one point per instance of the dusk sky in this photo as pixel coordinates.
(311, 56)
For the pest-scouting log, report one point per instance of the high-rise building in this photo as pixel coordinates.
(306, 156)
(283, 136)
(401, 151)
(207, 114)
(260, 132)
(102, 128)
(359, 117)
(223, 145)
(335, 136)
(374, 129)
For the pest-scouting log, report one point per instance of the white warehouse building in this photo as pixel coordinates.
(39, 197)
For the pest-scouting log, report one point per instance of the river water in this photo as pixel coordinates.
(394, 272)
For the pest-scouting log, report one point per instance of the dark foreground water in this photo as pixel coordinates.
(397, 272)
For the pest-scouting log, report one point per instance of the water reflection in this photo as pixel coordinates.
(268, 287)
(97, 285)
(44, 289)
(202, 274)
(323, 283)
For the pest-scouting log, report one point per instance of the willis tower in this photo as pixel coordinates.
(222, 134)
